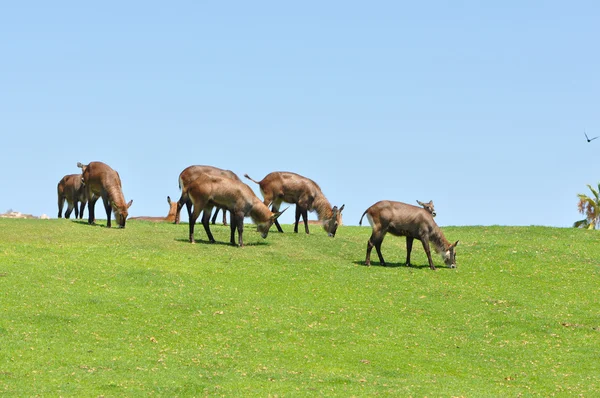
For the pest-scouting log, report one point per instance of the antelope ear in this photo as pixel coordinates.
(168, 199)
(421, 203)
(455, 243)
(342, 208)
(130, 203)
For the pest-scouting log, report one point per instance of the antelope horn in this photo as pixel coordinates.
(281, 212)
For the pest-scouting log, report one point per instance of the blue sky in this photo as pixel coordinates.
(481, 107)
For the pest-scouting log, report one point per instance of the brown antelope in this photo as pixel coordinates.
(169, 218)
(310, 222)
(71, 189)
(428, 206)
(281, 186)
(401, 219)
(101, 181)
(207, 191)
(187, 176)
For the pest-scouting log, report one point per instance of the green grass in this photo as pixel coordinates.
(91, 311)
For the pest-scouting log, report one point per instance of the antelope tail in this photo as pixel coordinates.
(250, 178)
(361, 217)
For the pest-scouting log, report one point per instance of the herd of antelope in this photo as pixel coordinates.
(206, 187)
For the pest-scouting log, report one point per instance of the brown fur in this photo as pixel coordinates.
(71, 189)
(401, 219)
(187, 176)
(311, 222)
(281, 186)
(428, 206)
(207, 191)
(101, 181)
(169, 218)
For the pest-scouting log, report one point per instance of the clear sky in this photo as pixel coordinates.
(480, 106)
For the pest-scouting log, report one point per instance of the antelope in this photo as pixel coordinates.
(401, 219)
(281, 186)
(169, 218)
(101, 181)
(71, 189)
(310, 222)
(187, 176)
(207, 191)
(428, 206)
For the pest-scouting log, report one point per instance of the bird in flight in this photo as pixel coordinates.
(588, 138)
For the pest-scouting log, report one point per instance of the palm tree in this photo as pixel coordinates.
(590, 207)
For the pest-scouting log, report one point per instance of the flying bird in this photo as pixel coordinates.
(588, 138)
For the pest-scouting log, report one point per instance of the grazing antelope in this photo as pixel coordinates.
(169, 218)
(101, 181)
(428, 206)
(71, 189)
(281, 186)
(207, 191)
(401, 219)
(187, 176)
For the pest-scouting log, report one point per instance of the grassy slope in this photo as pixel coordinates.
(91, 311)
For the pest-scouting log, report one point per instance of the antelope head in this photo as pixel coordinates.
(450, 255)
(331, 225)
(428, 206)
(263, 228)
(121, 214)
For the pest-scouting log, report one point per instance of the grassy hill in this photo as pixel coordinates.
(91, 311)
